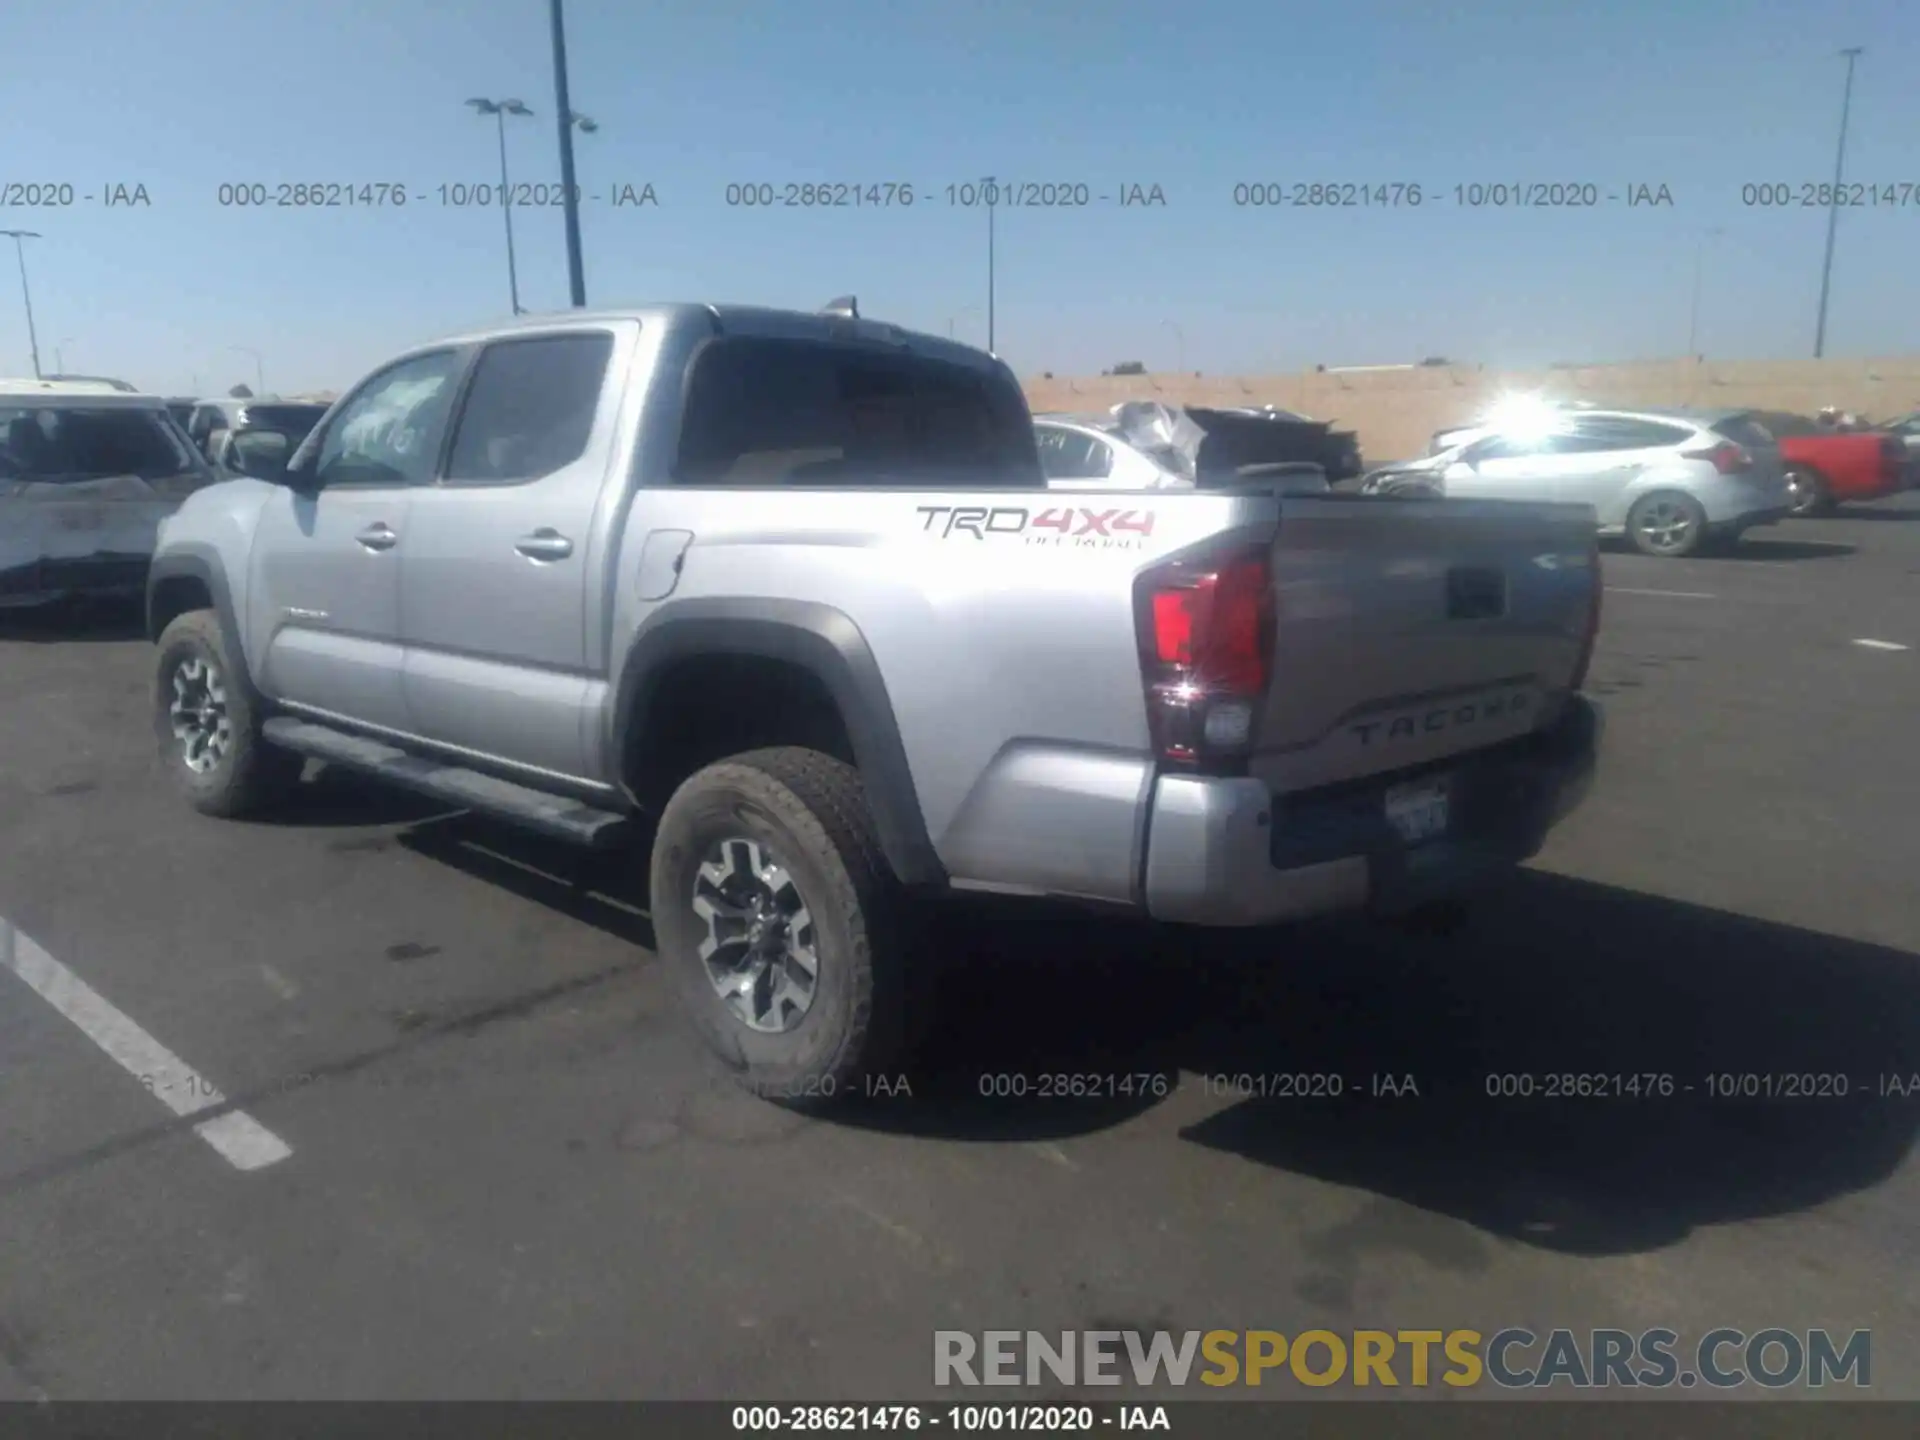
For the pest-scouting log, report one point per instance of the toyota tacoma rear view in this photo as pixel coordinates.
(789, 593)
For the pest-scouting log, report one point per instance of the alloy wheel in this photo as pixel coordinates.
(760, 950)
(1666, 525)
(197, 713)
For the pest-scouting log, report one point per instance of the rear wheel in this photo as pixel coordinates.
(1809, 491)
(782, 925)
(1667, 524)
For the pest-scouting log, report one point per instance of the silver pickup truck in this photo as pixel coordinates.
(788, 592)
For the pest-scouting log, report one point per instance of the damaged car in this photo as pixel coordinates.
(1146, 445)
(85, 479)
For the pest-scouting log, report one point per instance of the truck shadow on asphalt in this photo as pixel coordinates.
(1050, 1023)
(1554, 977)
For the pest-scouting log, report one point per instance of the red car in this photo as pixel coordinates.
(1826, 466)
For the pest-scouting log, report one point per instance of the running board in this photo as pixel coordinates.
(559, 816)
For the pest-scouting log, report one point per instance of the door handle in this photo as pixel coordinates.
(544, 544)
(378, 537)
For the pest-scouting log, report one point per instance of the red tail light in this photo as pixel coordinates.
(1592, 637)
(1206, 634)
(1727, 457)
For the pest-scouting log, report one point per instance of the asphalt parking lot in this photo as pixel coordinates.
(476, 1156)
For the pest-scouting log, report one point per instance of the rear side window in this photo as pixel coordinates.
(530, 408)
(70, 445)
(795, 412)
(1746, 430)
(1609, 434)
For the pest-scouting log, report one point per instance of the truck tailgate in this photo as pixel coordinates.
(1409, 631)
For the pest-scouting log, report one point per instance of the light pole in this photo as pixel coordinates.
(1180, 339)
(993, 195)
(259, 368)
(59, 357)
(1693, 309)
(500, 109)
(954, 318)
(563, 108)
(1833, 211)
(20, 237)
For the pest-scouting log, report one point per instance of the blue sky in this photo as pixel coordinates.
(1702, 97)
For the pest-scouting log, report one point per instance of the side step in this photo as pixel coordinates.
(559, 816)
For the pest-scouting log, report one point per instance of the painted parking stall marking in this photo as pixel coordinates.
(240, 1139)
(1879, 645)
(1663, 594)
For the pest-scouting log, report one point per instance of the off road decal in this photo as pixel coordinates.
(1077, 527)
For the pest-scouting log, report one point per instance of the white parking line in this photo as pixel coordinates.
(1879, 644)
(241, 1140)
(1666, 594)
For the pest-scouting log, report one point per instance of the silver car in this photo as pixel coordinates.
(86, 475)
(1672, 482)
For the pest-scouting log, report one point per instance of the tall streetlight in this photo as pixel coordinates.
(1833, 211)
(993, 195)
(1693, 309)
(1180, 339)
(59, 358)
(259, 368)
(20, 237)
(963, 310)
(500, 109)
(563, 109)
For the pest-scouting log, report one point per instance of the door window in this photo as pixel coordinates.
(389, 433)
(530, 407)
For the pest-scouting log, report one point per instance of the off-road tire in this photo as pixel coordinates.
(810, 811)
(251, 776)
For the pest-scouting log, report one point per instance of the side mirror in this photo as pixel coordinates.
(262, 454)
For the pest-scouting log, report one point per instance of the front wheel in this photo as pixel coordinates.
(208, 727)
(782, 925)
(1668, 524)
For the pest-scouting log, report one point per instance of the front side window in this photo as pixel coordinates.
(390, 432)
(530, 408)
(786, 412)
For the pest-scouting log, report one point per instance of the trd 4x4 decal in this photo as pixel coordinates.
(1075, 526)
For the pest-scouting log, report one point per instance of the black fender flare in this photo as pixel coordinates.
(822, 641)
(202, 563)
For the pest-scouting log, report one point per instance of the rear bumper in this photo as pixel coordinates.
(1225, 852)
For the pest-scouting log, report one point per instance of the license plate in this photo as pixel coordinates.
(1419, 810)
